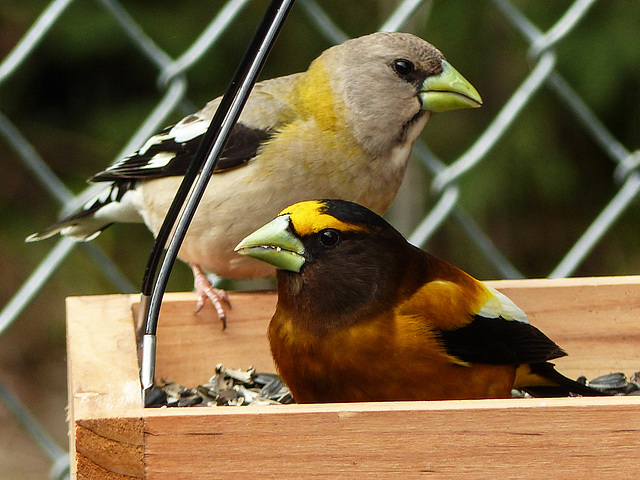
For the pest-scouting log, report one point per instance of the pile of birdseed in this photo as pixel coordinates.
(615, 383)
(227, 387)
(237, 387)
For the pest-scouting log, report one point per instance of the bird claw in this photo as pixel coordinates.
(206, 291)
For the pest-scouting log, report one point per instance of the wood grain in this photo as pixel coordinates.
(114, 446)
(105, 407)
(483, 439)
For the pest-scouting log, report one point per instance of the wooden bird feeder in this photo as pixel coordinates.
(596, 320)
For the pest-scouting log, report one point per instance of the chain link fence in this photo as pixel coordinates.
(441, 185)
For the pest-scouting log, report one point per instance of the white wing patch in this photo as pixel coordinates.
(159, 160)
(158, 138)
(499, 305)
(183, 132)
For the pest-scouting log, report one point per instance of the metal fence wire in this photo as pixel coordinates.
(446, 180)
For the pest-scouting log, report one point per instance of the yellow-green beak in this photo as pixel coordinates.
(275, 244)
(448, 91)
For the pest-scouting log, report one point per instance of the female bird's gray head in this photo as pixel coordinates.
(388, 81)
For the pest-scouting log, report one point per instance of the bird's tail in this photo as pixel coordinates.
(81, 226)
(543, 380)
(116, 202)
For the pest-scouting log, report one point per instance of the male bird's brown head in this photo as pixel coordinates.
(339, 263)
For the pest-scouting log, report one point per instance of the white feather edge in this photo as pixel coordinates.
(499, 305)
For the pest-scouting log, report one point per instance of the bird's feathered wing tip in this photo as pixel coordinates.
(41, 235)
(556, 384)
(74, 227)
(117, 202)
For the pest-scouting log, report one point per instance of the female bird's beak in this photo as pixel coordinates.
(275, 244)
(448, 91)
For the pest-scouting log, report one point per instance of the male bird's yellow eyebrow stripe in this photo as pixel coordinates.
(308, 218)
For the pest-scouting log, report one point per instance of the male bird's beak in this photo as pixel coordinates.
(448, 91)
(275, 244)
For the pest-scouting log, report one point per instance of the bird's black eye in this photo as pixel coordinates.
(403, 67)
(329, 237)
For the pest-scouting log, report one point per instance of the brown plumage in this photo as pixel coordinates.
(362, 315)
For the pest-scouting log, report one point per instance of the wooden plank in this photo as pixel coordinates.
(525, 438)
(106, 438)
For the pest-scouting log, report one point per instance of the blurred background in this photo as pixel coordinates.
(79, 95)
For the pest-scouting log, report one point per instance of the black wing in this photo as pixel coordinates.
(500, 342)
(166, 154)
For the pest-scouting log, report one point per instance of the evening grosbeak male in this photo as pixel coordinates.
(344, 129)
(363, 315)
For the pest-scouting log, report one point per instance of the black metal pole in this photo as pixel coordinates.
(201, 168)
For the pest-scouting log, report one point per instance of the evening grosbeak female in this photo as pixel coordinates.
(344, 129)
(363, 315)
